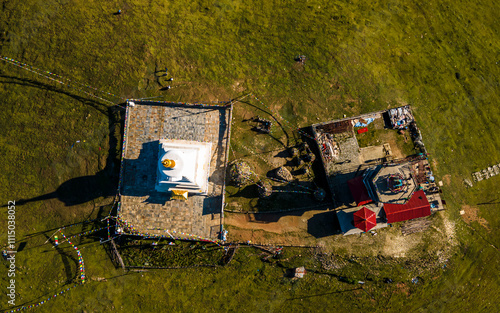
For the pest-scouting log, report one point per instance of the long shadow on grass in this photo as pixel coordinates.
(324, 294)
(494, 201)
(249, 192)
(65, 259)
(51, 293)
(82, 189)
(140, 174)
(36, 84)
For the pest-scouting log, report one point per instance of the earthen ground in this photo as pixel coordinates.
(471, 215)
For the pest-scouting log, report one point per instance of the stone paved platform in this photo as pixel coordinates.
(384, 194)
(142, 206)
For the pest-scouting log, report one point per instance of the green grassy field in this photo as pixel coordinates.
(440, 57)
(181, 254)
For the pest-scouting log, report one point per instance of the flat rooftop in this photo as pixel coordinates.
(151, 212)
(384, 193)
(388, 141)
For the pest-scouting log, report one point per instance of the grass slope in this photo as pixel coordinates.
(441, 57)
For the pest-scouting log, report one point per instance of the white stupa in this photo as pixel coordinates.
(183, 166)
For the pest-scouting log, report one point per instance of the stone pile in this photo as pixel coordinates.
(284, 174)
(240, 173)
(264, 188)
(487, 172)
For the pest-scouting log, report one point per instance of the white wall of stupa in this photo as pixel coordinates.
(192, 164)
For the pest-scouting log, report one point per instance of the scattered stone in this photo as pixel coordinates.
(294, 152)
(310, 157)
(304, 146)
(299, 272)
(477, 176)
(240, 173)
(486, 173)
(98, 279)
(265, 189)
(299, 162)
(491, 171)
(467, 182)
(304, 170)
(284, 174)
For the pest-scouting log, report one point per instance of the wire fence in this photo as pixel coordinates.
(63, 81)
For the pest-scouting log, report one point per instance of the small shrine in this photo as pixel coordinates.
(183, 167)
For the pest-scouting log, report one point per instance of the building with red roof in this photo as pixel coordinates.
(359, 191)
(365, 219)
(417, 206)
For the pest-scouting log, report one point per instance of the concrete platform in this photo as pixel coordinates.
(374, 154)
(153, 212)
(384, 194)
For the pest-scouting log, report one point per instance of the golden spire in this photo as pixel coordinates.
(179, 194)
(168, 163)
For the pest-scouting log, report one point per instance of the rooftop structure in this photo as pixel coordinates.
(173, 169)
(183, 165)
(417, 206)
(365, 219)
(342, 156)
(393, 183)
(370, 161)
(400, 117)
(359, 191)
(348, 226)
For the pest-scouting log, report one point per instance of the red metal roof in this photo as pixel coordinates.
(358, 191)
(365, 219)
(417, 206)
(362, 130)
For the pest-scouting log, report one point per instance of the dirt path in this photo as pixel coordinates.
(275, 223)
(470, 214)
(296, 227)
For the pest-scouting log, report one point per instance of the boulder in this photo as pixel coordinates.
(284, 174)
(240, 173)
(264, 188)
